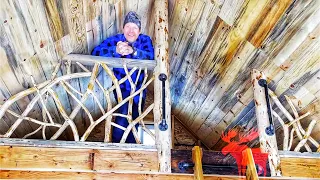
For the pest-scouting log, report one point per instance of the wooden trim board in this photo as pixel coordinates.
(127, 176)
(77, 160)
(74, 145)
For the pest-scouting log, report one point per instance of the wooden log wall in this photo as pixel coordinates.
(214, 46)
(36, 34)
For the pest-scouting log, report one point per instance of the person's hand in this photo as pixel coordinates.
(127, 50)
(123, 48)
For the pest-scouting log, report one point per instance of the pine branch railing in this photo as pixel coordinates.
(47, 90)
(268, 142)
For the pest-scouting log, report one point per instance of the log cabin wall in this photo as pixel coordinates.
(215, 45)
(36, 34)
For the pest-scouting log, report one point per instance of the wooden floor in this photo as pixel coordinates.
(124, 176)
(90, 160)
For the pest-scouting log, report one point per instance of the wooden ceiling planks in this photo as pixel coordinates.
(284, 20)
(187, 75)
(235, 38)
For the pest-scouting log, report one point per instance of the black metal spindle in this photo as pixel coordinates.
(163, 126)
(270, 128)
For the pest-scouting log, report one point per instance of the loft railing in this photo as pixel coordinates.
(45, 96)
(48, 90)
(268, 141)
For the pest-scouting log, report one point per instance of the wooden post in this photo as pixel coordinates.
(196, 158)
(268, 144)
(251, 172)
(172, 131)
(161, 44)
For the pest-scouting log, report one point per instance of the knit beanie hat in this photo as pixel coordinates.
(132, 17)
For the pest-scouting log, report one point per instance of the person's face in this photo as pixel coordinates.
(131, 32)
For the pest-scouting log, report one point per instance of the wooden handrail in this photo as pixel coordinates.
(111, 61)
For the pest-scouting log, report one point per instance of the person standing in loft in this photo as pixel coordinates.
(131, 44)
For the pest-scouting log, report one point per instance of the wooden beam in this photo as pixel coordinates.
(172, 131)
(196, 158)
(110, 61)
(161, 44)
(74, 145)
(123, 176)
(300, 167)
(80, 160)
(268, 144)
(293, 154)
(251, 172)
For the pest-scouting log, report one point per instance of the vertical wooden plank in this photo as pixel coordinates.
(73, 12)
(172, 131)
(240, 61)
(14, 75)
(108, 19)
(196, 158)
(119, 15)
(54, 19)
(187, 77)
(92, 15)
(268, 144)
(34, 13)
(230, 10)
(274, 12)
(144, 11)
(251, 172)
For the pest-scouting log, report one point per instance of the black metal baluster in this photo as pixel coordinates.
(163, 126)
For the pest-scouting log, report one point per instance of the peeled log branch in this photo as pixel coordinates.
(107, 127)
(32, 133)
(83, 99)
(42, 102)
(163, 138)
(268, 144)
(288, 115)
(306, 136)
(92, 126)
(33, 120)
(296, 115)
(298, 119)
(68, 120)
(285, 128)
(77, 100)
(45, 86)
(115, 82)
(291, 139)
(133, 123)
(133, 88)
